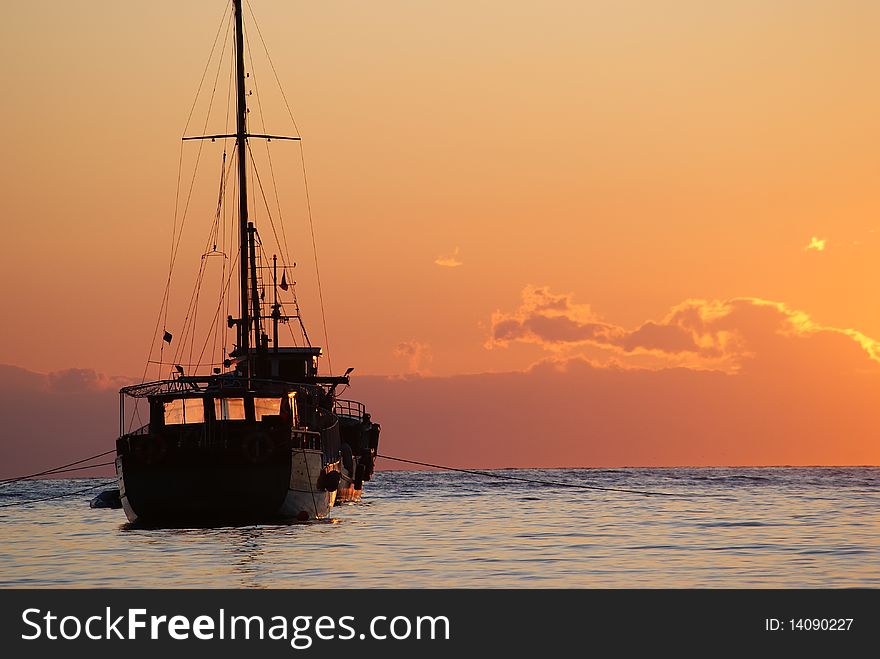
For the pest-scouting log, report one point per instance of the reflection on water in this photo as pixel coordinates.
(816, 527)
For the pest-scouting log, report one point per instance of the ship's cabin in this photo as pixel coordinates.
(289, 364)
(201, 408)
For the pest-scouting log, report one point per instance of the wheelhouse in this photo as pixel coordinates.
(192, 403)
(196, 409)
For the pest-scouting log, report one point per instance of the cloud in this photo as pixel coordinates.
(549, 319)
(570, 413)
(817, 244)
(450, 261)
(81, 379)
(63, 381)
(724, 335)
(804, 395)
(418, 355)
(51, 419)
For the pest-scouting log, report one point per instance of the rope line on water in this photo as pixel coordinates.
(97, 464)
(58, 469)
(490, 474)
(476, 472)
(58, 496)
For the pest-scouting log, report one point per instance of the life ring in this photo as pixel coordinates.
(257, 447)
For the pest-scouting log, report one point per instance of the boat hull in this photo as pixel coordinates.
(306, 498)
(211, 493)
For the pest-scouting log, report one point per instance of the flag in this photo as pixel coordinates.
(167, 337)
(284, 285)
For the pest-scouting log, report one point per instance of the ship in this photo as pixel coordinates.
(262, 437)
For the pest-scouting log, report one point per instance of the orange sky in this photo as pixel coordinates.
(622, 157)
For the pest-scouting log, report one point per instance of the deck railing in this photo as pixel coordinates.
(351, 408)
(197, 386)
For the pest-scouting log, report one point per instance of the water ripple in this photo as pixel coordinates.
(773, 527)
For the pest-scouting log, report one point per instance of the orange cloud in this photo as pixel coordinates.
(550, 320)
(568, 413)
(418, 355)
(79, 379)
(803, 394)
(725, 335)
(817, 244)
(449, 261)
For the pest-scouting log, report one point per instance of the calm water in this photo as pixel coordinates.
(779, 527)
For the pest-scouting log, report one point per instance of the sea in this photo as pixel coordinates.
(786, 527)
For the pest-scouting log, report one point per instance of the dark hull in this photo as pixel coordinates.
(249, 477)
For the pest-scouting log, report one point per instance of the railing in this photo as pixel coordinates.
(211, 384)
(351, 408)
(306, 439)
(330, 439)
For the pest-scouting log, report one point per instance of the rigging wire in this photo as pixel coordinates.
(263, 195)
(315, 252)
(286, 260)
(305, 186)
(537, 481)
(187, 339)
(265, 201)
(196, 291)
(285, 247)
(272, 65)
(212, 240)
(215, 319)
(219, 230)
(176, 244)
(190, 320)
(162, 315)
(220, 326)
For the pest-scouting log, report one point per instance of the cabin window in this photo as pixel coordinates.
(266, 407)
(184, 410)
(229, 409)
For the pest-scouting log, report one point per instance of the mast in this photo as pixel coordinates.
(241, 145)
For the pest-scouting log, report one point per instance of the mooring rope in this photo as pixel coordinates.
(476, 472)
(58, 469)
(491, 474)
(57, 496)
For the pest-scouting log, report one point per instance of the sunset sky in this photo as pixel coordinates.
(600, 190)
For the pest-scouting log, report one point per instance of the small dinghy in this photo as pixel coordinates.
(107, 499)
